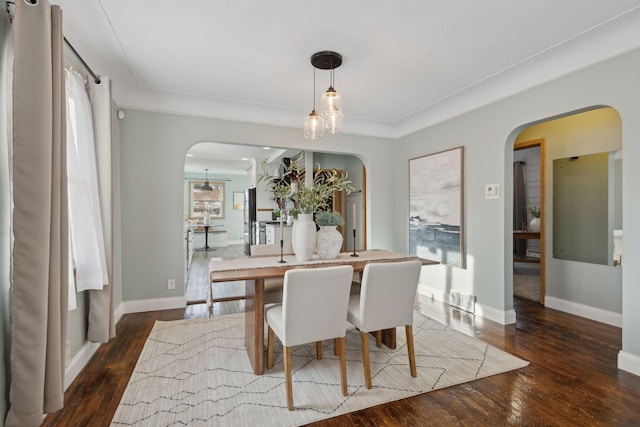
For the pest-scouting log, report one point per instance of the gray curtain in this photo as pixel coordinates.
(40, 219)
(519, 208)
(6, 82)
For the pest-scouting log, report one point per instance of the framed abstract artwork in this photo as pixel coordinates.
(436, 207)
(238, 200)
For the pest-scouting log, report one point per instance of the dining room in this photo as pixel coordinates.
(224, 73)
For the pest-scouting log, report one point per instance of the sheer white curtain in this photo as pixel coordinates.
(84, 197)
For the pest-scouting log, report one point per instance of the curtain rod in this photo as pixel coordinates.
(86, 66)
(75, 52)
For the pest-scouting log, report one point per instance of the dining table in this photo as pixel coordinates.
(254, 270)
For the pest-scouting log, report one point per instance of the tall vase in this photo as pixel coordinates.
(534, 225)
(329, 242)
(303, 237)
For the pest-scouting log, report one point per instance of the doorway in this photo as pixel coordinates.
(529, 203)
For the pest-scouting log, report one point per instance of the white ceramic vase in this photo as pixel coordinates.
(534, 225)
(329, 242)
(303, 237)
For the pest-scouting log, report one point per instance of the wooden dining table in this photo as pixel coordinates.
(254, 270)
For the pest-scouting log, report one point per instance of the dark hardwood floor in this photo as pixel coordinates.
(572, 378)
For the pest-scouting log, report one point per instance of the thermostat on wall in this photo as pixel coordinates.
(491, 191)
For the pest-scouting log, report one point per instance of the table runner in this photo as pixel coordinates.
(220, 264)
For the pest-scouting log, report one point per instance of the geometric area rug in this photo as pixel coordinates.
(195, 372)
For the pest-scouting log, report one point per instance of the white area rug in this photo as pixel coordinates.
(196, 373)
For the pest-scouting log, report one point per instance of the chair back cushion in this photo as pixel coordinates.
(387, 295)
(315, 304)
(271, 249)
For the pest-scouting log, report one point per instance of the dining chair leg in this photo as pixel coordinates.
(364, 339)
(343, 365)
(270, 339)
(287, 377)
(378, 339)
(319, 350)
(410, 350)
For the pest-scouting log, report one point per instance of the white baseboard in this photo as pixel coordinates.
(117, 314)
(503, 317)
(433, 293)
(629, 362)
(506, 317)
(235, 242)
(153, 304)
(79, 361)
(593, 313)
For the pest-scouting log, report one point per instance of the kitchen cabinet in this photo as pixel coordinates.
(273, 233)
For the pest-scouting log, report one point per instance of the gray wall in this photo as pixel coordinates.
(580, 208)
(152, 170)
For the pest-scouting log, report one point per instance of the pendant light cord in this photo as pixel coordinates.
(314, 88)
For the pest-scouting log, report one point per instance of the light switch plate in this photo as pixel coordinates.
(491, 191)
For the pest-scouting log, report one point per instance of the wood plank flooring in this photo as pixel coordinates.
(572, 378)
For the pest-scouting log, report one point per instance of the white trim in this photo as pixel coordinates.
(79, 361)
(433, 293)
(507, 317)
(629, 362)
(235, 242)
(503, 317)
(117, 314)
(593, 313)
(153, 304)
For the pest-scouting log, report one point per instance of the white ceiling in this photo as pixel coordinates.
(229, 159)
(407, 63)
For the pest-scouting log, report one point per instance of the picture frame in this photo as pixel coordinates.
(201, 201)
(436, 196)
(238, 200)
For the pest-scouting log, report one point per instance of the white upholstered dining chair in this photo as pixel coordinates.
(313, 309)
(385, 301)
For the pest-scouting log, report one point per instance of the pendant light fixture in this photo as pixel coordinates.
(314, 124)
(331, 107)
(206, 186)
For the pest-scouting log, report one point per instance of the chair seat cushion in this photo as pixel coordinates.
(273, 315)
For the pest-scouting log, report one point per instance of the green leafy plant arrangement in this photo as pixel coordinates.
(534, 211)
(329, 218)
(307, 200)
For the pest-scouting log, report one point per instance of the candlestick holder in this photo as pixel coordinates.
(354, 243)
(281, 252)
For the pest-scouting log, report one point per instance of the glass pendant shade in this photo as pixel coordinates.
(332, 111)
(314, 126)
(331, 100)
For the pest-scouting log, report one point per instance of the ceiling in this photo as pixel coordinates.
(406, 64)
